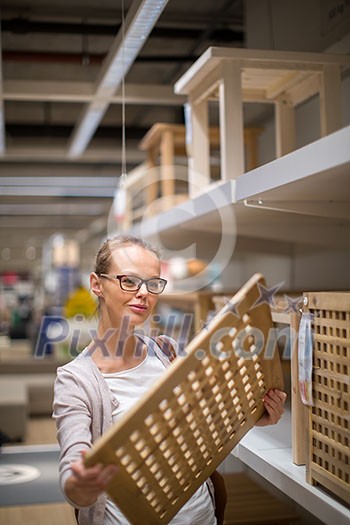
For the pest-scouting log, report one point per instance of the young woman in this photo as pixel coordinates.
(111, 374)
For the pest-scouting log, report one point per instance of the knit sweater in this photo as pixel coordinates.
(83, 406)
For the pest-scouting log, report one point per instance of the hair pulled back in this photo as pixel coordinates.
(104, 254)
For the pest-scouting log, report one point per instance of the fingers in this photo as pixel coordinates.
(106, 475)
(275, 397)
(273, 402)
(281, 395)
(94, 478)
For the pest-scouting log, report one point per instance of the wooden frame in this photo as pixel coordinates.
(197, 303)
(156, 176)
(176, 436)
(233, 76)
(299, 412)
(329, 441)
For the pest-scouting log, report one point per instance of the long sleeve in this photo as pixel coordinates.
(73, 416)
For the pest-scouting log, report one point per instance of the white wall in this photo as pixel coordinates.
(321, 270)
(306, 269)
(307, 124)
(300, 25)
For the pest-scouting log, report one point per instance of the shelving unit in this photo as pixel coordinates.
(155, 186)
(301, 197)
(198, 303)
(233, 76)
(269, 452)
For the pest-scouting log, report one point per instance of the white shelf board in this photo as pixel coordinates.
(318, 172)
(268, 451)
(313, 183)
(202, 208)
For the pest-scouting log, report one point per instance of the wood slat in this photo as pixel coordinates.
(329, 442)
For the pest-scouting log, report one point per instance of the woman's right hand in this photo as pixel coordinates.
(85, 485)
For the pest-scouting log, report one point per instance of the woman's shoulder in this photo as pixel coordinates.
(83, 362)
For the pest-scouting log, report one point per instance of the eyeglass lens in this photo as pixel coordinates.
(131, 283)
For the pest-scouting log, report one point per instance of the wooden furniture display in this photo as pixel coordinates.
(155, 181)
(289, 314)
(233, 76)
(199, 304)
(329, 436)
(176, 436)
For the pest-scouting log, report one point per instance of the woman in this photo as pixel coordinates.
(111, 374)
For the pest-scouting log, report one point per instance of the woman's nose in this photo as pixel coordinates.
(142, 290)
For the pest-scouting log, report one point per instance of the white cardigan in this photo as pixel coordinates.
(82, 408)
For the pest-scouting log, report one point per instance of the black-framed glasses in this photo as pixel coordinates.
(132, 283)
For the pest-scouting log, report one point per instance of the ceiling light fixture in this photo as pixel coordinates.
(139, 22)
(2, 119)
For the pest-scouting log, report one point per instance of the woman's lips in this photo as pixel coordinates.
(139, 308)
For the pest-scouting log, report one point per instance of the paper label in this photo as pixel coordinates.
(305, 359)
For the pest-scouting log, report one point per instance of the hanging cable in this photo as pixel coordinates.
(120, 197)
(123, 174)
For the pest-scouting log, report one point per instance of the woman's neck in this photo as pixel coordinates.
(116, 349)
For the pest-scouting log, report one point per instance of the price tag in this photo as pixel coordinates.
(305, 359)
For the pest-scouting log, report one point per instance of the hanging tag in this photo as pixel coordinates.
(120, 197)
(305, 359)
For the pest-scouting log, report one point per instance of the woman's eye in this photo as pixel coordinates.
(129, 281)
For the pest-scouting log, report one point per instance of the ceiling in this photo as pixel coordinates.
(54, 58)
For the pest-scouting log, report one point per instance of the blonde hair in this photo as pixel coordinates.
(104, 254)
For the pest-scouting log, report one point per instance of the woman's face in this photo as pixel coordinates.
(135, 306)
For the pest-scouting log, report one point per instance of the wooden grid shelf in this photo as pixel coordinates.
(329, 436)
(283, 314)
(175, 437)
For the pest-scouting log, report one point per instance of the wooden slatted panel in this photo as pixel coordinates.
(329, 439)
(176, 436)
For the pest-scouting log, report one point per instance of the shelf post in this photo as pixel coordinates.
(300, 414)
(285, 126)
(167, 163)
(152, 186)
(231, 121)
(330, 100)
(198, 162)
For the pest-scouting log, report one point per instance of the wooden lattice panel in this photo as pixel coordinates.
(175, 437)
(329, 439)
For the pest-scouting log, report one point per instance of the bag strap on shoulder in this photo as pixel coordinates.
(162, 347)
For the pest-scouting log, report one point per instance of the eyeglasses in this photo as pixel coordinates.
(131, 283)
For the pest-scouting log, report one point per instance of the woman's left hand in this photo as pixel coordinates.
(273, 402)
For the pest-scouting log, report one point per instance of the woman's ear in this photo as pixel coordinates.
(95, 285)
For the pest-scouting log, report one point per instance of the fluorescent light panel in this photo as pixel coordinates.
(135, 38)
(2, 118)
(52, 209)
(87, 182)
(136, 33)
(45, 191)
(87, 128)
